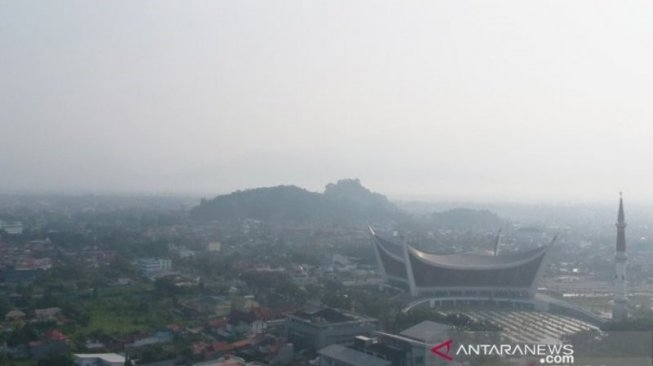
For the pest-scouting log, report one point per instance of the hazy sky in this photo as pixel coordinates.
(519, 100)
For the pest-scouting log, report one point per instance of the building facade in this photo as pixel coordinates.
(98, 359)
(407, 348)
(154, 267)
(467, 276)
(318, 329)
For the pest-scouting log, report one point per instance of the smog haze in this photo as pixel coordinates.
(512, 100)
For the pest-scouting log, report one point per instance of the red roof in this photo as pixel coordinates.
(225, 347)
(175, 328)
(242, 343)
(56, 335)
(221, 347)
(199, 347)
(218, 323)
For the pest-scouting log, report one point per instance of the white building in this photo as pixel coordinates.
(99, 359)
(215, 246)
(12, 228)
(154, 267)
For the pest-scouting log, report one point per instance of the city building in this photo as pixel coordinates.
(620, 308)
(318, 329)
(12, 228)
(408, 348)
(461, 278)
(154, 267)
(339, 355)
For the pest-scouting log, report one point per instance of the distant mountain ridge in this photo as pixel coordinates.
(344, 202)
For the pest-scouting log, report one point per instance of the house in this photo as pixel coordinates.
(98, 359)
(122, 281)
(224, 349)
(224, 361)
(250, 322)
(46, 348)
(94, 345)
(56, 336)
(156, 338)
(14, 315)
(47, 314)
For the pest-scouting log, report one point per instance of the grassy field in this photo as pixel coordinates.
(124, 310)
(107, 321)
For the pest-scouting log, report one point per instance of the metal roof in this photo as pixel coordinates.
(351, 357)
(425, 330)
(474, 261)
(467, 261)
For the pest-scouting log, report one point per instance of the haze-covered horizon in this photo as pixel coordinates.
(452, 100)
(403, 200)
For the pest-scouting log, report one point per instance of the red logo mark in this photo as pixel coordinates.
(445, 355)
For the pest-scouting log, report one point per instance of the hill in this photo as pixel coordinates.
(344, 202)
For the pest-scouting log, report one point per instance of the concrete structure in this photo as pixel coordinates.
(408, 348)
(469, 277)
(483, 281)
(12, 228)
(214, 246)
(224, 361)
(318, 329)
(338, 355)
(47, 314)
(98, 359)
(620, 308)
(154, 267)
(532, 326)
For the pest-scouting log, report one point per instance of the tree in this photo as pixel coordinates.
(165, 287)
(5, 361)
(58, 360)
(22, 335)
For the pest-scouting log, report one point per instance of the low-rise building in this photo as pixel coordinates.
(215, 246)
(224, 361)
(154, 267)
(12, 228)
(47, 314)
(408, 348)
(318, 329)
(14, 315)
(98, 359)
(339, 355)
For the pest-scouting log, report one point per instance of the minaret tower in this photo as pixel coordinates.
(620, 309)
